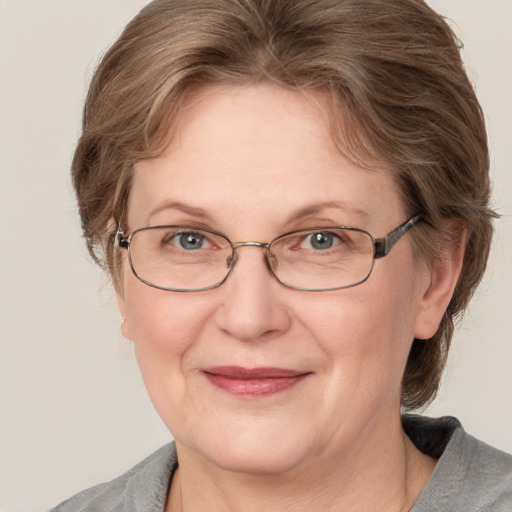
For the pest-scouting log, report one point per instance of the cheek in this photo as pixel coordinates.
(165, 329)
(163, 326)
(359, 321)
(365, 335)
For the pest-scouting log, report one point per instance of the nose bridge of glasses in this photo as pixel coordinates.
(269, 257)
(237, 245)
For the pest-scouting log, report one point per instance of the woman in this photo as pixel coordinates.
(292, 199)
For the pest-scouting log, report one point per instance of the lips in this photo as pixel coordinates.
(253, 382)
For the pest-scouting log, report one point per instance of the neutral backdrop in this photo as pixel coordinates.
(73, 410)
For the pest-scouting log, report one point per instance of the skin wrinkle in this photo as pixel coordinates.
(298, 215)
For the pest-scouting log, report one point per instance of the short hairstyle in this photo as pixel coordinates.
(401, 101)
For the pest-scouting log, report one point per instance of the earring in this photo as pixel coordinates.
(122, 327)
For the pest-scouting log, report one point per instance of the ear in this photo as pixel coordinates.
(118, 282)
(438, 287)
(125, 324)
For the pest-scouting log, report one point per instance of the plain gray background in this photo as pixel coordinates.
(73, 410)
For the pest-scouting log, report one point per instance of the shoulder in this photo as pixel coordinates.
(470, 475)
(144, 487)
(485, 473)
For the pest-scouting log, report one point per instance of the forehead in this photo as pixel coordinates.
(258, 152)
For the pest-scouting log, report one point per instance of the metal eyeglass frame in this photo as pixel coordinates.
(382, 247)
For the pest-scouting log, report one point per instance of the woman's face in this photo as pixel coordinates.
(254, 162)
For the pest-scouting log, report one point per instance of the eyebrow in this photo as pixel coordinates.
(298, 214)
(194, 211)
(316, 208)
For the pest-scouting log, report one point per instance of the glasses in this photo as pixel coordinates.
(187, 259)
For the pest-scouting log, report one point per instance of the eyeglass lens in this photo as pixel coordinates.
(178, 258)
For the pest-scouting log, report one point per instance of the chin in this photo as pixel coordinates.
(257, 460)
(260, 451)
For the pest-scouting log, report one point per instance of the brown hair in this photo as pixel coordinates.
(393, 72)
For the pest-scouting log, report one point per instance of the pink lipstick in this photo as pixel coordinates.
(253, 382)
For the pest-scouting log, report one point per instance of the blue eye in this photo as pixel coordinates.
(191, 241)
(187, 240)
(321, 240)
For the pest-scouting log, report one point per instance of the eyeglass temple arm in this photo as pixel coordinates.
(384, 245)
(120, 240)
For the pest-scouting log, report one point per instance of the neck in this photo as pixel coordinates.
(386, 475)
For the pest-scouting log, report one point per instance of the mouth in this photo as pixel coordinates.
(252, 383)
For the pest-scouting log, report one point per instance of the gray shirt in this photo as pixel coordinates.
(470, 476)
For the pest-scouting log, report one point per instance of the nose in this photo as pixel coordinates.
(252, 306)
